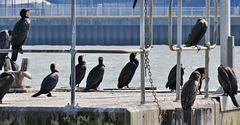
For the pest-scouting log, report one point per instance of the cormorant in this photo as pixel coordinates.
(20, 32)
(80, 70)
(4, 44)
(128, 71)
(189, 93)
(6, 80)
(202, 72)
(95, 76)
(49, 82)
(228, 81)
(197, 32)
(171, 83)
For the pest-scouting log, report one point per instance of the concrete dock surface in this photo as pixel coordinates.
(112, 107)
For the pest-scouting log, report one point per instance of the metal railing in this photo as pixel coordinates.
(179, 48)
(112, 11)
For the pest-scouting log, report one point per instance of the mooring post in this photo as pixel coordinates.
(207, 42)
(73, 52)
(179, 43)
(142, 46)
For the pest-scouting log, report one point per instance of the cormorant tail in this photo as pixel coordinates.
(14, 54)
(134, 4)
(85, 90)
(186, 115)
(37, 94)
(234, 101)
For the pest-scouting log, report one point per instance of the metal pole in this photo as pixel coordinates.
(207, 39)
(230, 51)
(179, 43)
(224, 29)
(151, 23)
(142, 46)
(73, 51)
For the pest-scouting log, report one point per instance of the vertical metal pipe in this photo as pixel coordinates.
(224, 29)
(73, 51)
(179, 43)
(207, 39)
(142, 46)
(230, 51)
(151, 23)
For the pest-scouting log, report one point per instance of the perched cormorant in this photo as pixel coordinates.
(171, 83)
(6, 80)
(128, 71)
(202, 72)
(197, 32)
(20, 32)
(95, 76)
(4, 44)
(189, 93)
(49, 82)
(80, 70)
(228, 81)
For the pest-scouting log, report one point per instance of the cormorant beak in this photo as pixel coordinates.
(30, 11)
(203, 76)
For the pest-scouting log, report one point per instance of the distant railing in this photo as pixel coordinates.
(65, 10)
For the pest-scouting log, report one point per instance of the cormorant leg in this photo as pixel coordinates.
(49, 95)
(198, 48)
(20, 50)
(128, 86)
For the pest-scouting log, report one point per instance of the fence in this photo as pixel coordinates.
(65, 10)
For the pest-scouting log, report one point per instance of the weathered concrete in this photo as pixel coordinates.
(111, 107)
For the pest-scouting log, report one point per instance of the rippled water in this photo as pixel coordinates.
(162, 59)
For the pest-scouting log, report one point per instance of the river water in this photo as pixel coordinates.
(162, 59)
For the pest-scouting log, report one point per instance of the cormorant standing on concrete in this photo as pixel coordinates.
(202, 72)
(4, 44)
(95, 76)
(80, 70)
(228, 81)
(197, 33)
(189, 93)
(6, 80)
(128, 71)
(171, 83)
(20, 32)
(49, 82)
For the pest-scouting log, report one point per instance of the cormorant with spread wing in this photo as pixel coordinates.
(128, 71)
(49, 82)
(20, 32)
(228, 81)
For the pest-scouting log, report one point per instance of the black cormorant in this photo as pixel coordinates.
(49, 82)
(95, 76)
(128, 71)
(4, 44)
(171, 83)
(6, 80)
(228, 81)
(189, 93)
(20, 32)
(197, 32)
(80, 70)
(202, 72)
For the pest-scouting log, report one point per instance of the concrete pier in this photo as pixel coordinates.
(113, 108)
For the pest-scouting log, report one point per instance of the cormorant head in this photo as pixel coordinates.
(132, 56)
(80, 59)
(53, 67)
(9, 32)
(195, 75)
(201, 71)
(24, 12)
(100, 60)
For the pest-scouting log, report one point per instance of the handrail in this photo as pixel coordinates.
(80, 51)
(182, 48)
